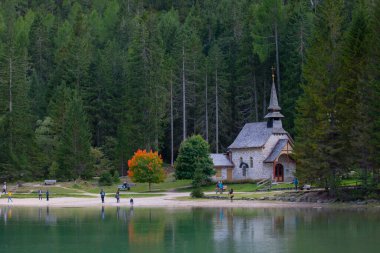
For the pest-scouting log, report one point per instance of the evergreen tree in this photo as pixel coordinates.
(320, 146)
(297, 33)
(74, 142)
(354, 94)
(193, 153)
(19, 157)
(374, 74)
(269, 17)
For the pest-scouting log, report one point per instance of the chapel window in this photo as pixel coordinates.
(251, 162)
(244, 171)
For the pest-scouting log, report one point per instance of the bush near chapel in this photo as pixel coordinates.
(146, 167)
(194, 155)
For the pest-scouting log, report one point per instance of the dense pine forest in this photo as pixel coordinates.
(83, 84)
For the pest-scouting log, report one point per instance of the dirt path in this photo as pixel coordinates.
(169, 200)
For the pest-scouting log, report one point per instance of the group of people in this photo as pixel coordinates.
(117, 197)
(9, 193)
(40, 193)
(219, 187)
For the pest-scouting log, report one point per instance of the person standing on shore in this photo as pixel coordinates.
(131, 202)
(117, 196)
(10, 197)
(102, 195)
(295, 182)
(4, 188)
(231, 193)
(40, 194)
(47, 195)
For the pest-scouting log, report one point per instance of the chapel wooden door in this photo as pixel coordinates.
(279, 173)
(229, 174)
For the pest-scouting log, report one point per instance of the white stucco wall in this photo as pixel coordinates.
(260, 170)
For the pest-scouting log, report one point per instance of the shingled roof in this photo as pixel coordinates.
(253, 135)
(276, 151)
(221, 160)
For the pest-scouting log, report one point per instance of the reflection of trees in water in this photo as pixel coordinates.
(188, 230)
(148, 228)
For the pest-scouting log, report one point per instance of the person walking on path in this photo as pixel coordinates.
(295, 182)
(102, 195)
(4, 188)
(117, 196)
(40, 194)
(231, 193)
(47, 195)
(10, 197)
(131, 202)
(221, 187)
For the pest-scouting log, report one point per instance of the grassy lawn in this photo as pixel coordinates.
(144, 187)
(255, 195)
(350, 182)
(283, 186)
(247, 195)
(91, 186)
(83, 188)
(248, 187)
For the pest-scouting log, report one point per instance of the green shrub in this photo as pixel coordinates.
(116, 178)
(105, 179)
(53, 170)
(197, 193)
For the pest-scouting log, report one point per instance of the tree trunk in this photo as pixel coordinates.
(156, 120)
(183, 95)
(171, 124)
(10, 85)
(10, 104)
(150, 188)
(277, 62)
(194, 99)
(264, 98)
(206, 113)
(216, 113)
(255, 96)
(122, 166)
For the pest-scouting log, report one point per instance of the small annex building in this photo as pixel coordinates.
(262, 150)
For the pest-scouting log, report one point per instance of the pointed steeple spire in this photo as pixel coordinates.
(273, 102)
(273, 108)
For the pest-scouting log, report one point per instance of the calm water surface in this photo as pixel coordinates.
(211, 230)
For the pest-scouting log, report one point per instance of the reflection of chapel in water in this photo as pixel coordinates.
(236, 230)
(260, 151)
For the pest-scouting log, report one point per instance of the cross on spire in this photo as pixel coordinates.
(273, 109)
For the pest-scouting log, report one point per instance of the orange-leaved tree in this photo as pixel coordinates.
(146, 167)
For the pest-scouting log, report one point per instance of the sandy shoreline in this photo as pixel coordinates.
(169, 200)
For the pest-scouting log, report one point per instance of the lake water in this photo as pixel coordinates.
(211, 230)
